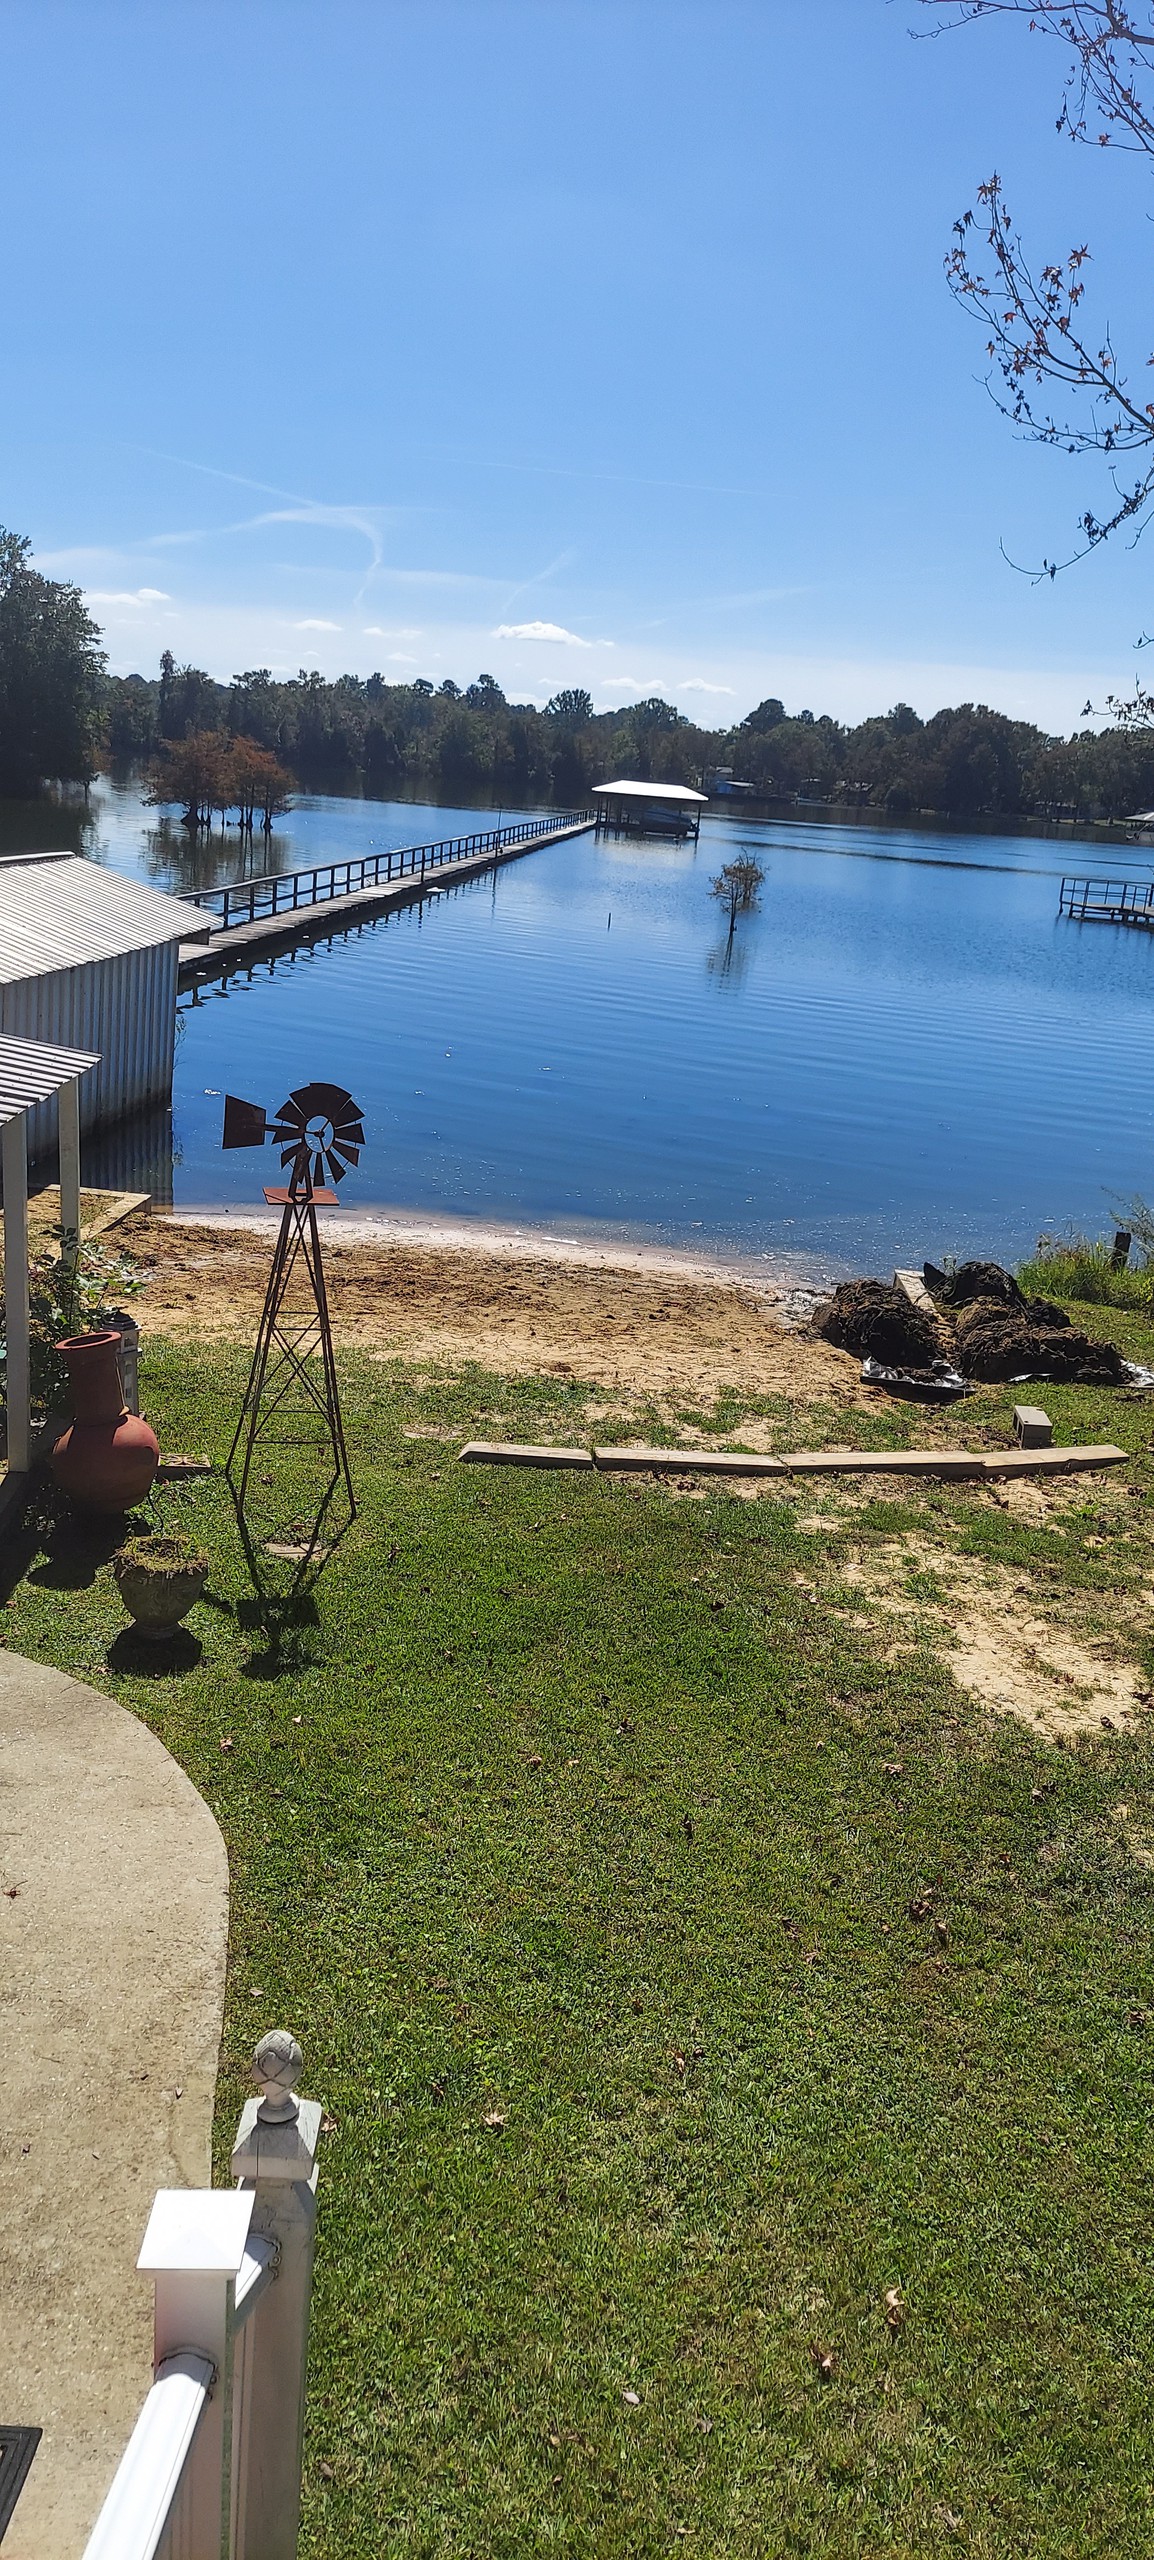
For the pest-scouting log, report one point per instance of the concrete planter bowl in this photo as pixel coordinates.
(158, 1580)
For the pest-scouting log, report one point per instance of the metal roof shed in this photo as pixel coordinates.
(88, 958)
(31, 1076)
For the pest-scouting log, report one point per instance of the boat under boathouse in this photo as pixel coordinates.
(648, 809)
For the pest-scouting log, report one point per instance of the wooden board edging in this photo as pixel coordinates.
(955, 1464)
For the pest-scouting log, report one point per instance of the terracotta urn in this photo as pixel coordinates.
(158, 1579)
(107, 1457)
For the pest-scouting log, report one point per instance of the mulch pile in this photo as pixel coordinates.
(984, 1324)
(879, 1323)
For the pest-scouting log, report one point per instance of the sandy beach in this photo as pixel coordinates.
(637, 1321)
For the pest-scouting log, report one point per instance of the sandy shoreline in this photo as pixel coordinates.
(637, 1321)
(778, 1277)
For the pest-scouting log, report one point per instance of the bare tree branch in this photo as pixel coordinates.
(1038, 337)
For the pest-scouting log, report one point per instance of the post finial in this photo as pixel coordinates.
(276, 2067)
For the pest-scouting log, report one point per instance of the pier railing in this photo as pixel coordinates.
(1108, 901)
(278, 892)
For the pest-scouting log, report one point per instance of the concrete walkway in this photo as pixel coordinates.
(113, 1925)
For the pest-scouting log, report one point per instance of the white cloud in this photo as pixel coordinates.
(397, 658)
(310, 625)
(540, 631)
(701, 684)
(125, 595)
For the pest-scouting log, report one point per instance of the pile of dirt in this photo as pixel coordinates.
(997, 1341)
(987, 1281)
(879, 1323)
(982, 1319)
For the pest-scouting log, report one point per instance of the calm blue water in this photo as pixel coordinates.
(903, 1053)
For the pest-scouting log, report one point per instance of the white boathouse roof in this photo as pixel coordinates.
(59, 911)
(674, 793)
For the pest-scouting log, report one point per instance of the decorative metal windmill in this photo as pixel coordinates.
(319, 1130)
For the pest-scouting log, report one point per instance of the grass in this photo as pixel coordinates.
(601, 1812)
(1079, 1269)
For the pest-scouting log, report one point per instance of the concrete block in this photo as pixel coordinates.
(520, 1453)
(1033, 1429)
(682, 1462)
(1053, 1462)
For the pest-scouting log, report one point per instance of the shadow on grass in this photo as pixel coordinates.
(284, 1572)
(74, 1546)
(155, 1657)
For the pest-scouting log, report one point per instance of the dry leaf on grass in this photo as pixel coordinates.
(895, 2310)
(494, 2122)
(823, 2359)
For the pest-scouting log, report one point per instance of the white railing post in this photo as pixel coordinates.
(274, 2162)
(194, 2248)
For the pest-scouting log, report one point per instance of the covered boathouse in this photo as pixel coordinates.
(648, 809)
(88, 962)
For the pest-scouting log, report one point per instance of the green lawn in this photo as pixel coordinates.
(601, 1811)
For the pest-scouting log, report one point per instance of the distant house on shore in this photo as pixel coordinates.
(723, 787)
(648, 809)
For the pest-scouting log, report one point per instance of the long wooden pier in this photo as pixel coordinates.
(1108, 902)
(284, 907)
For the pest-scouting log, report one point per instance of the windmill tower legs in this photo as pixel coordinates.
(294, 1342)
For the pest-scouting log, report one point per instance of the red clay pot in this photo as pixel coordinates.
(107, 1458)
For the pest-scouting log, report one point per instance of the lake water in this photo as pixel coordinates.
(903, 1053)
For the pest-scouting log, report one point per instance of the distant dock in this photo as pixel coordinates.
(1108, 902)
(286, 907)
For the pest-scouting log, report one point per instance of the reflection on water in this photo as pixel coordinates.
(134, 1155)
(902, 1052)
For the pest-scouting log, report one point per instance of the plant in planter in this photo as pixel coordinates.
(158, 1578)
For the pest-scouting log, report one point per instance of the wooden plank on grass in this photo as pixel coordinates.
(883, 1462)
(1052, 1462)
(519, 1453)
(683, 1462)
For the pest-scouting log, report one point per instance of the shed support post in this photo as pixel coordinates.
(68, 1148)
(274, 2161)
(14, 1162)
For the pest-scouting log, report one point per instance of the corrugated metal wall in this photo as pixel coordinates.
(126, 1008)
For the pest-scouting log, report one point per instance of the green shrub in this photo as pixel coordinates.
(61, 1302)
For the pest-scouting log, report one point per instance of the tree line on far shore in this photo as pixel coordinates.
(357, 731)
(210, 747)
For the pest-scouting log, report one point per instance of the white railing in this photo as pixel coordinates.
(138, 2509)
(212, 2468)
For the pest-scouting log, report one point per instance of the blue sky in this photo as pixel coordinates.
(582, 341)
